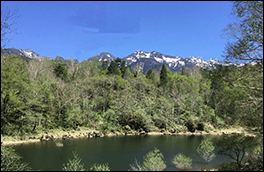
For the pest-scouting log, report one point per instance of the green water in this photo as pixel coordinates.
(119, 152)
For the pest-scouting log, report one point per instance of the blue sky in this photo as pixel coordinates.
(82, 29)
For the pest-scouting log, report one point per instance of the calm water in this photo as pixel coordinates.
(119, 152)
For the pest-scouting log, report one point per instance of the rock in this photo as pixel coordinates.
(162, 130)
(142, 132)
(172, 130)
(64, 137)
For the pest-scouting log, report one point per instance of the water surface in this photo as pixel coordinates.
(119, 152)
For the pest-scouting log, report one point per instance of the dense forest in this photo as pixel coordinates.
(38, 95)
(46, 94)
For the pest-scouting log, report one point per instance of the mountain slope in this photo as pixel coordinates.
(24, 52)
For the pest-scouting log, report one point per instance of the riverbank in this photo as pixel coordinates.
(58, 134)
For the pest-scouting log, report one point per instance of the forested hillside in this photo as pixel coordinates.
(41, 95)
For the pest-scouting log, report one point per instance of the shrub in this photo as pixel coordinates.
(74, 165)
(100, 167)
(182, 162)
(153, 161)
(10, 161)
(207, 128)
(205, 149)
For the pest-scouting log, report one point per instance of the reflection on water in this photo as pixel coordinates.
(119, 152)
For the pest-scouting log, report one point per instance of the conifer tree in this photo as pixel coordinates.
(104, 64)
(123, 68)
(163, 76)
(150, 75)
(112, 69)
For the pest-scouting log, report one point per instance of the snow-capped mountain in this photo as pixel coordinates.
(146, 60)
(155, 60)
(103, 57)
(24, 52)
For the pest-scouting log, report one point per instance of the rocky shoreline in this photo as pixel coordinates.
(63, 135)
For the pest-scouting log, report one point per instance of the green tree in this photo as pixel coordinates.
(247, 32)
(246, 45)
(11, 161)
(235, 146)
(205, 149)
(123, 68)
(182, 162)
(104, 64)
(150, 75)
(163, 76)
(74, 164)
(15, 88)
(113, 69)
(60, 69)
(137, 70)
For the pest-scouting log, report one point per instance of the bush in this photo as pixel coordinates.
(152, 162)
(205, 149)
(10, 161)
(207, 128)
(182, 162)
(74, 165)
(100, 167)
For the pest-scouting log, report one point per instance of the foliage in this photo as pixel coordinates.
(100, 167)
(153, 161)
(150, 75)
(15, 87)
(247, 45)
(11, 161)
(163, 76)
(182, 162)
(247, 32)
(113, 69)
(237, 143)
(254, 161)
(60, 69)
(74, 164)
(205, 149)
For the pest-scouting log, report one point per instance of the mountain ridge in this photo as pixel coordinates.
(147, 60)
